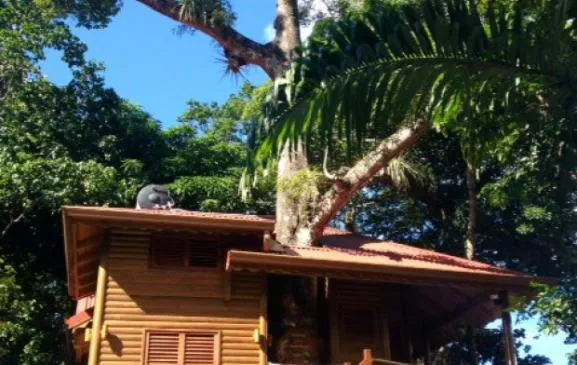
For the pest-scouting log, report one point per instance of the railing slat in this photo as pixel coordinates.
(368, 359)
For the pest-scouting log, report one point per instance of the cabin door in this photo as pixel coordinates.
(357, 321)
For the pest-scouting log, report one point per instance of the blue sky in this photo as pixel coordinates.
(151, 66)
(147, 63)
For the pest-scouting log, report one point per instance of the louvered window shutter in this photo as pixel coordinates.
(162, 348)
(168, 252)
(174, 251)
(203, 254)
(182, 348)
(199, 349)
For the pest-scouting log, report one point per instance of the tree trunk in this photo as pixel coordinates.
(359, 176)
(293, 160)
(471, 239)
(469, 248)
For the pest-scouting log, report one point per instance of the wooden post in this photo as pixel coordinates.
(367, 357)
(263, 324)
(427, 350)
(406, 326)
(509, 341)
(470, 338)
(98, 310)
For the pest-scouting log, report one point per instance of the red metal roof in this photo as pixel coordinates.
(80, 318)
(342, 252)
(84, 312)
(338, 246)
(181, 213)
(366, 250)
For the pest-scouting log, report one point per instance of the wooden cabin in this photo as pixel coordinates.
(177, 287)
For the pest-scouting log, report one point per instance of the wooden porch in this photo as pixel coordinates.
(399, 302)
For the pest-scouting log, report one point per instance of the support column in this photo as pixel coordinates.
(428, 360)
(509, 341)
(95, 339)
(263, 324)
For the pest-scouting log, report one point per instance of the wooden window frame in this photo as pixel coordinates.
(181, 334)
(187, 242)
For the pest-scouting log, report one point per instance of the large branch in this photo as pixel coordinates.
(239, 49)
(12, 222)
(361, 174)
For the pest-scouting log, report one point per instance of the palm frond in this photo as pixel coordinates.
(406, 174)
(365, 76)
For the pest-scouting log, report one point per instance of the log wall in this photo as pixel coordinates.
(139, 297)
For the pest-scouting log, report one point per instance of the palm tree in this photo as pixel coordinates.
(381, 80)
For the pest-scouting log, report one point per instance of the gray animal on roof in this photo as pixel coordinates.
(154, 197)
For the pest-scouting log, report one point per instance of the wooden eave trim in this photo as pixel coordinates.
(72, 215)
(100, 216)
(69, 253)
(245, 260)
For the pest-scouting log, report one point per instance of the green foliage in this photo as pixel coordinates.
(436, 62)
(489, 346)
(209, 12)
(558, 306)
(22, 327)
(304, 186)
(572, 357)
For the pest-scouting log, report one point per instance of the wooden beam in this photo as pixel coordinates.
(263, 323)
(509, 340)
(367, 358)
(316, 266)
(73, 285)
(406, 325)
(459, 312)
(227, 282)
(427, 355)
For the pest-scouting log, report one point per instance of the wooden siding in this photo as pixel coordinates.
(139, 297)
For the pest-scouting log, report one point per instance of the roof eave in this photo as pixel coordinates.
(72, 215)
(88, 214)
(68, 251)
(244, 259)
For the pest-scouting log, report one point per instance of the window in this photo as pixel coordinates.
(181, 348)
(174, 251)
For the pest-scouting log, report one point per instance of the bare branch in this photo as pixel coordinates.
(326, 171)
(12, 222)
(238, 48)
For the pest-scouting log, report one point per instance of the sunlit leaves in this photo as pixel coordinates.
(364, 75)
(210, 12)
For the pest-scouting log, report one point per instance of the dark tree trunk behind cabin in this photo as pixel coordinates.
(471, 238)
(469, 247)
